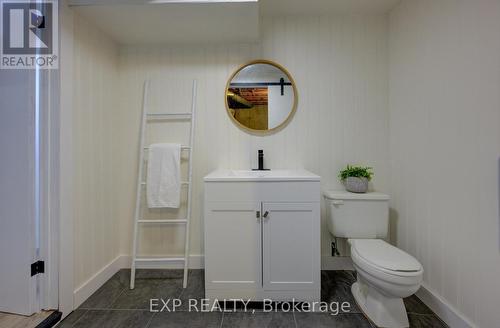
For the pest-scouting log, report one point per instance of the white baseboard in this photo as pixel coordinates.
(89, 287)
(96, 281)
(336, 263)
(443, 309)
(195, 262)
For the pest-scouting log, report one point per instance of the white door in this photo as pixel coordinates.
(233, 245)
(18, 237)
(291, 246)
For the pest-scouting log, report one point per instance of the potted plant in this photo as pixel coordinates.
(355, 178)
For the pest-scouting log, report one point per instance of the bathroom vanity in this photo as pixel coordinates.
(262, 235)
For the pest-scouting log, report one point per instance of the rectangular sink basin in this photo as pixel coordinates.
(272, 175)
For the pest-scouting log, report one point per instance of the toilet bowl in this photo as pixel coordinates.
(385, 274)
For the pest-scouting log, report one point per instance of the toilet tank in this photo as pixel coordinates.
(352, 215)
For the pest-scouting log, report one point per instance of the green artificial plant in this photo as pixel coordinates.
(356, 171)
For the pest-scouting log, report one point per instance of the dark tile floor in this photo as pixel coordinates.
(115, 305)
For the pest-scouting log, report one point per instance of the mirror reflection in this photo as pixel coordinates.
(261, 96)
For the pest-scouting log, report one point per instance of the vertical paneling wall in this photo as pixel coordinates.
(340, 66)
(445, 147)
(96, 235)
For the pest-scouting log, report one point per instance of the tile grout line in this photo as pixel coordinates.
(149, 321)
(110, 304)
(222, 320)
(416, 313)
(183, 289)
(117, 297)
(429, 315)
(423, 314)
(84, 313)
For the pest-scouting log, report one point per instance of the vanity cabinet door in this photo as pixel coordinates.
(233, 252)
(291, 246)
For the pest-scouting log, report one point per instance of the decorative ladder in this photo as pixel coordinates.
(141, 182)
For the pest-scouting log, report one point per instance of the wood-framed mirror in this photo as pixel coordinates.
(261, 97)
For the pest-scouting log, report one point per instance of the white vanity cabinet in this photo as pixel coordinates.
(262, 235)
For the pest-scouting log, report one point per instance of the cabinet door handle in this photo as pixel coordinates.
(266, 214)
(257, 214)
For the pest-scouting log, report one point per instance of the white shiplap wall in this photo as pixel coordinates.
(340, 66)
(95, 64)
(445, 147)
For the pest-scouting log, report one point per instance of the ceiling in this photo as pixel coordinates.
(317, 7)
(147, 22)
(175, 23)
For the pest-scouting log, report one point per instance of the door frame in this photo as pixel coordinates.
(62, 141)
(46, 128)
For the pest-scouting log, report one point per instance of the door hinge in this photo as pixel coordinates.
(37, 267)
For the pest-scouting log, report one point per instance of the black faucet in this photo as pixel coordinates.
(261, 161)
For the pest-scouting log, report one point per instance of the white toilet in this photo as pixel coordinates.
(385, 273)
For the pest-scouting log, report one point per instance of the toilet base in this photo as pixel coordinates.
(381, 310)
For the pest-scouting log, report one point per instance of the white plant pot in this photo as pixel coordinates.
(355, 184)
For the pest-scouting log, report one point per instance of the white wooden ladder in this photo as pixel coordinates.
(141, 183)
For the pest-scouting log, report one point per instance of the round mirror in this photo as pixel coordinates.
(261, 97)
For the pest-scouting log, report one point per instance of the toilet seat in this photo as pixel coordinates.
(384, 260)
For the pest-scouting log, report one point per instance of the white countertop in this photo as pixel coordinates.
(229, 175)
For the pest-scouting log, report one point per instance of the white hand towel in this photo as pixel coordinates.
(164, 176)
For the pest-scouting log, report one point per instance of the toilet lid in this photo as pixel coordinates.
(384, 255)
